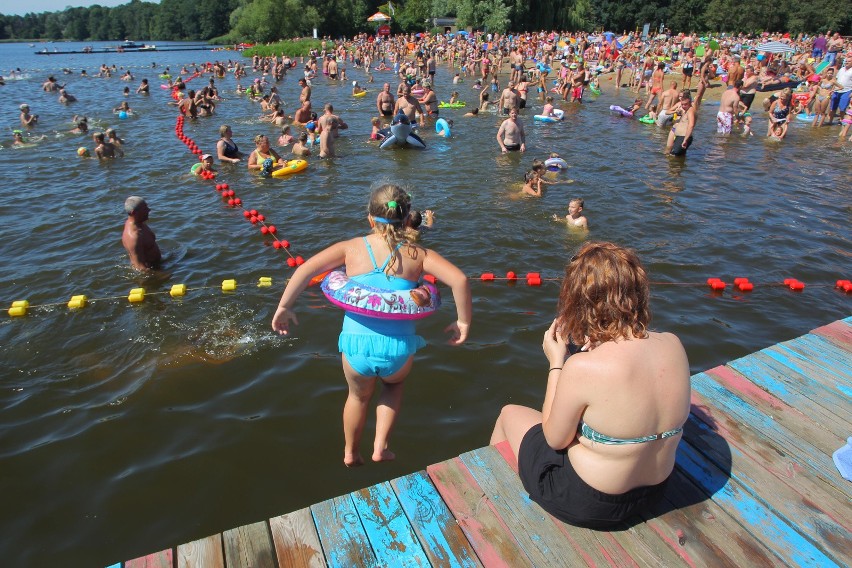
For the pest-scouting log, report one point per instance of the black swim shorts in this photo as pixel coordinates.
(551, 481)
(677, 147)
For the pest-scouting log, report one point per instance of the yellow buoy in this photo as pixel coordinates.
(229, 285)
(78, 302)
(136, 295)
(178, 290)
(264, 281)
(19, 308)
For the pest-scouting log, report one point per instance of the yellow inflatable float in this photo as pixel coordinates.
(291, 167)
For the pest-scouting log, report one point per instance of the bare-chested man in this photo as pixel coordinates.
(50, 85)
(510, 135)
(730, 106)
(305, 95)
(736, 72)
(303, 115)
(409, 106)
(329, 125)
(138, 238)
(104, 148)
(680, 137)
(332, 68)
(509, 99)
(385, 101)
(668, 100)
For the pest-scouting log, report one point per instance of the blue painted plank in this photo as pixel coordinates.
(541, 539)
(783, 539)
(781, 439)
(390, 534)
(343, 538)
(824, 354)
(811, 398)
(799, 502)
(442, 539)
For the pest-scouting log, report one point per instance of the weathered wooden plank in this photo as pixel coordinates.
(783, 539)
(392, 537)
(812, 399)
(249, 546)
(635, 546)
(542, 540)
(476, 515)
(818, 359)
(162, 559)
(817, 491)
(785, 430)
(341, 534)
(701, 532)
(796, 502)
(442, 539)
(838, 332)
(202, 553)
(296, 540)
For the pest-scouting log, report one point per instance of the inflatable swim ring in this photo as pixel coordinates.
(805, 116)
(594, 91)
(621, 111)
(165, 76)
(555, 164)
(291, 167)
(351, 296)
(195, 167)
(646, 119)
(361, 94)
(417, 92)
(459, 104)
(558, 115)
(442, 127)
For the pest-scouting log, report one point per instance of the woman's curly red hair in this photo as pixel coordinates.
(605, 295)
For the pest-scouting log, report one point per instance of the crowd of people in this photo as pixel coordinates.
(612, 383)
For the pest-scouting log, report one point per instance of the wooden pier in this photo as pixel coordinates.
(754, 485)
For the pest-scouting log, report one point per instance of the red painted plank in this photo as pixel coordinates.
(162, 559)
(838, 332)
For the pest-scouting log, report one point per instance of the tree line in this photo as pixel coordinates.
(229, 21)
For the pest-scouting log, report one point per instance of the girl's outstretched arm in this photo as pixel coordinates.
(452, 276)
(327, 259)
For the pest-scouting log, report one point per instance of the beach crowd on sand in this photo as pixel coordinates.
(612, 385)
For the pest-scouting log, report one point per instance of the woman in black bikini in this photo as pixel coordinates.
(226, 148)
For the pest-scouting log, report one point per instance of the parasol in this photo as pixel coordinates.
(775, 47)
(379, 17)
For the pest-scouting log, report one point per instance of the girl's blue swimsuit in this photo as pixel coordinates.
(377, 347)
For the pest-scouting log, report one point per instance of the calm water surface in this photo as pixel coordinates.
(127, 429)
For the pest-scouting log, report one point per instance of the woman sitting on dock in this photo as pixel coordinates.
(603, 446)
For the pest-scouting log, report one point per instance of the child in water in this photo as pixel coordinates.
(375, 133)
(373, 347)
(575, 217)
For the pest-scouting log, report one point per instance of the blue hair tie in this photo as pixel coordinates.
(385, 221)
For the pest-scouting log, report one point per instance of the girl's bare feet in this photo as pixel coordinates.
(383, 455)
(352, 460)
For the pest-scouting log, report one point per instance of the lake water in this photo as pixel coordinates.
(125, 429)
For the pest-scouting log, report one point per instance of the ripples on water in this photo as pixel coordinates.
(131, 428)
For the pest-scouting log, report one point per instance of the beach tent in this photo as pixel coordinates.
(379, 17)
(775, 47)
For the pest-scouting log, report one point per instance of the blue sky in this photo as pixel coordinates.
(20, 8)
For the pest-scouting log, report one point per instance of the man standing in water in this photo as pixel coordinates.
(385, 101)
(328, 126)
(729, 108)
(138, 238)
(680, 137)
(511, 135)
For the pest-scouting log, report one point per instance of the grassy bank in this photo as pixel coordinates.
(291, 47)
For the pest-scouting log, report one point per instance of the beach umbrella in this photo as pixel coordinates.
(379, 17)
(775, 47)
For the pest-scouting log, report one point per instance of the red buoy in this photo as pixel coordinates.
(261, 218)
(291, 261)
(740, 280)
(511, 275)
(272, 229)
(264, 230)
(718, 285)
(246, 214)
(276, 244)
(534, 281)
(254, 212)
(285, 244)
(487, 277)
(745, 286)
(253, 219)
(300, 261)
(711, 280)
(238, 201)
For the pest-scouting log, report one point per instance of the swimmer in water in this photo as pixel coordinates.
(575, 217)
(138, 239)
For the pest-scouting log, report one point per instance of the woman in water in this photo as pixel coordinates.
(226, 148)
(257, 161)
(603, 446)
(376, 349)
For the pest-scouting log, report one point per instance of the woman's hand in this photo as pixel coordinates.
(281, 320)
(554, 346)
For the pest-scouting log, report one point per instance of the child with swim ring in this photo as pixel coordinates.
(374, 348)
